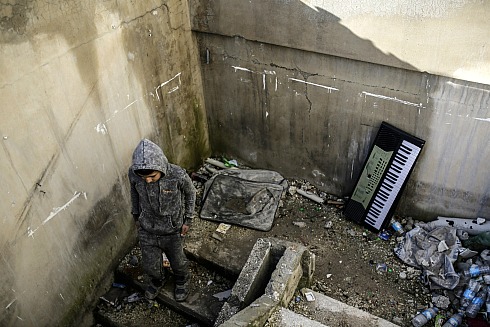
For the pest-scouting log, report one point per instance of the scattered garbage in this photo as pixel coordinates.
(310, 195)
(230, 163)
(223, 228)
(381, 267)
(114, 295)
(420, 249)
(221, 296)
(397, 227)
(454, 321)
(134, 261)
(384, 235)
(424, 317)
(218, 163)
(476, 271)
(309, 296)
(453, 268)
(479, 242)
(135, 297)
(476, 303)
(472, 227)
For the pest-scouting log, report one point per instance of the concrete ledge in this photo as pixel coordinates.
(286, 276)
(255, 315)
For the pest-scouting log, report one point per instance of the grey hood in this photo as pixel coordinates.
(148, 155)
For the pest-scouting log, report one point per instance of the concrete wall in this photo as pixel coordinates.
(301, 87)
(81, 83)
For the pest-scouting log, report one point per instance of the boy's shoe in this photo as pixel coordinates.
(152, 290)
(181, 292)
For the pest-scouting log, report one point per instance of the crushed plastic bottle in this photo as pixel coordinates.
(454, 321)
(384, 235)
(470, 292)
(474, 307)
(476, 270)
(424, 317)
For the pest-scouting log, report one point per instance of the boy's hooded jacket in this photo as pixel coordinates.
(163, 206)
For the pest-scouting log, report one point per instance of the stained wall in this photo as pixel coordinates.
(81, 83)
(302, 87)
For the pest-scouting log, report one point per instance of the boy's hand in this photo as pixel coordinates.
(184, 230)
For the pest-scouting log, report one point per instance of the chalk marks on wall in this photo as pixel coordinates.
(329, 88)
(173, 89)
(394, 99)
(275, 79)
(174, 85)
(55, 212)
(102, 128)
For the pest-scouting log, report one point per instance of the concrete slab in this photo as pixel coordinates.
(333, 313)
(287, 318)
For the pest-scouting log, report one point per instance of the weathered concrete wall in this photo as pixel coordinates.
(449, 38)
(293, 87)
(81, 83)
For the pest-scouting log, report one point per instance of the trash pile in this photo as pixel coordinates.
(454, 257)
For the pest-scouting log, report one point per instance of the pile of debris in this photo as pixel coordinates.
(454, 257)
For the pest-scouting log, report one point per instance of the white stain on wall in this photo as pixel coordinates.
(56, 211)
(329, 88)
(236, 68)
(394, 99)
(11, 302)
(176, 77)
(102, 127)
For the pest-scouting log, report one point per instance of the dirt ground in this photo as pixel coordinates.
(353, 265)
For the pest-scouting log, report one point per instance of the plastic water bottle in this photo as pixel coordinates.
(423, 317)
(397, 227)
(454, 321)
(474, 307)
(470, 292)
(476, 270)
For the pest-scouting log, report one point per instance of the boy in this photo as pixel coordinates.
(163, 200)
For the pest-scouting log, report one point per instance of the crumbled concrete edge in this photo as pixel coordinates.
(255, 315)
(295, 266)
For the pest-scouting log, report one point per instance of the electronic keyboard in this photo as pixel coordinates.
(383, 177)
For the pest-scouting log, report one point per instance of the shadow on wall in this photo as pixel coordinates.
(290, 24)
